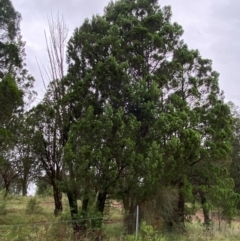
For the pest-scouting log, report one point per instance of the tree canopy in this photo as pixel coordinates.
(138, 116)
(131, 72)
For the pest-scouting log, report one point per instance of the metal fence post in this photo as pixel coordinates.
(137, 222)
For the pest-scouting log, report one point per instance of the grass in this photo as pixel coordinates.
(17, 224)
(197, 233)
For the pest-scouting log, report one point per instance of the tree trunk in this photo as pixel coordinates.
(78, 228)
(85, 207)
(207, 219)
(101, 199)
(129, 220)
(7, 186)
(96, 224)
(178, 221)
(84, 213)
(181, 211)
(57, 194)
(7, 189)
(24, 187)
(72, 200)
(24, 191)
(100, 205)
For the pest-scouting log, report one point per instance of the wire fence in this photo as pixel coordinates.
(114, 227)
(48, 223)
(62, 230)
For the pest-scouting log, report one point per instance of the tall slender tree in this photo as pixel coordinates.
(50, 118)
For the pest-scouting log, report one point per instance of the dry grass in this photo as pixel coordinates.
(197, 232)
(15, 224)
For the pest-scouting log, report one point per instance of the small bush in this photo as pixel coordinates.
(147, 232)
(33, 207)
(3, 210)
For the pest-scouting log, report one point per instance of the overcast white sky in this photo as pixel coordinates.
(212, 26)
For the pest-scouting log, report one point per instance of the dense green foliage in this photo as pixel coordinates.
(148, 110)
(137, 113)
(15, 94)
(10, 100)
(10, 57)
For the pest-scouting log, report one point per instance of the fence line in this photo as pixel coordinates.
(20, 202)
(46, 223)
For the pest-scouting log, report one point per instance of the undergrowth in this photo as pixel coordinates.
(32, 219)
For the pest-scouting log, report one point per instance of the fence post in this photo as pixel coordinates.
(137, 222)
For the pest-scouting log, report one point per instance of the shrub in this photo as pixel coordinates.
(147, 232)
(33, 207)
(3, 210)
